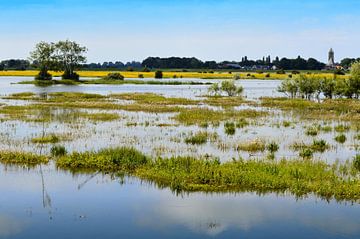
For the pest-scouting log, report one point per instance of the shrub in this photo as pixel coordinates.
(237, 77)
(267, 75)
(158, 75)
(114, 76)
(230, 88)
(43, 75)
(140, 76)
(70, 76)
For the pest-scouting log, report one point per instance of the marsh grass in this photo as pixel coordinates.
(201, 137)
(230, 128)
(199, 116)
(253, 146)
(22, 158)
(272, 147)
(58, 150)
(224, 101)
(341, 138)
(299, 177)
(316, 146)
(335, 109)
(312, 131)
(356, 162)
(47, 139)
(153, 99)
(342, 128)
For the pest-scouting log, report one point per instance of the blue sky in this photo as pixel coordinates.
(210, 30)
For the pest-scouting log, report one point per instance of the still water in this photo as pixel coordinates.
(44, 202)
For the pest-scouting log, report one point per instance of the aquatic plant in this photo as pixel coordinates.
(22, 158)
(230, 128)
(272, 147)
(341, 138)
(198, 138)
(306, 153)
(58, 150)
(319, 145)
(46, 139)
(341, 128)
(253, 146)
(299, 177)
(312, 131)
(356, 162)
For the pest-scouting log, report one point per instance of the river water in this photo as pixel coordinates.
(44, 202)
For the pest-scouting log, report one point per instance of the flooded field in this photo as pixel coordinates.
(164, 121)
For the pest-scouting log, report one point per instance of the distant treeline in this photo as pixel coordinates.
(298, 63)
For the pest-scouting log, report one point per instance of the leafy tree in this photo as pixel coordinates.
(69, 55)
(354, 80)
(289, 87)
(214, 89)
(43, 55)
(328, 87)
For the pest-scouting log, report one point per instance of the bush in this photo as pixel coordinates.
(140, 76)
(158, 75)
(43, 75)
(114, 76)
(70, 76)
(267, 75)
(230, 88)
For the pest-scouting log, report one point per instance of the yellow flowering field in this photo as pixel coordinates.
(136, 74)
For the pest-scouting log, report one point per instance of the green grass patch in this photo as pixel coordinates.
(22, 158)
(299, 177)
(197, 116)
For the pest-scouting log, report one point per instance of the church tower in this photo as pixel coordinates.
(331, 58)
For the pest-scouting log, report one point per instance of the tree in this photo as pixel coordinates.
(69, 55)
(328, 86)
(289, 87)
(354, 80)
(214, 89)
(43, 55)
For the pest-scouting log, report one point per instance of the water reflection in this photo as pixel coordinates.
(97, 204)
(10, 226)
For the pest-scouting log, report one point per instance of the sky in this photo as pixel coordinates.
(126, 30)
